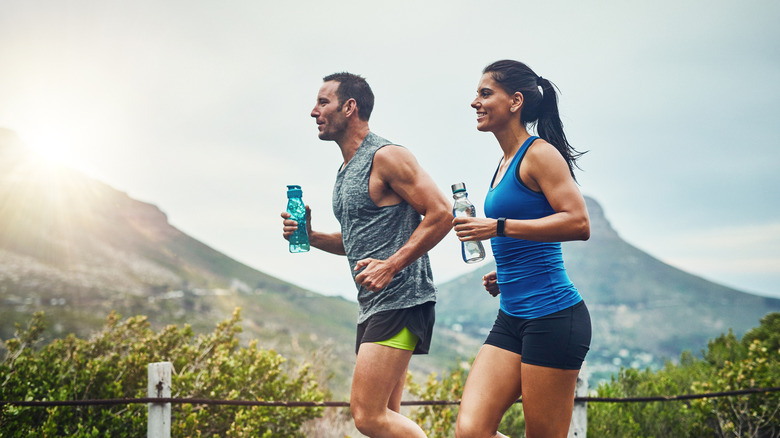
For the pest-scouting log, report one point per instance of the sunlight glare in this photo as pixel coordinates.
(55, 148)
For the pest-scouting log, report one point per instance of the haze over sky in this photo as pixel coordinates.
(202, 108)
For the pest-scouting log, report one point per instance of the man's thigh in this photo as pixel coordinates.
(378, 371)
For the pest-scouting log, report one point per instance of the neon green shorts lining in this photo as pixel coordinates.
(404, 340)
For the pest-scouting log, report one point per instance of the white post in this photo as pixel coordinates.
(159, 422)
(579, 417)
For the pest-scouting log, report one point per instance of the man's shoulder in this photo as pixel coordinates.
(392, 152)
(373, 139)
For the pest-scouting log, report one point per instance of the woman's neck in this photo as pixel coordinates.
(511, 139)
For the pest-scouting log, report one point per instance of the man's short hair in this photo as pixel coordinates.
(352, 86)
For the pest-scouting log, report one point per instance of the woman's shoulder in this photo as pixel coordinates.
(540, 149)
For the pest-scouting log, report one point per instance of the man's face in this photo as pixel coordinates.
(328, 113)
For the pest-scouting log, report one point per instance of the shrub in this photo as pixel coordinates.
(113, 364)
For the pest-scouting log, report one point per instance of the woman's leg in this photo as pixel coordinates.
(492, 386)
(548, 400)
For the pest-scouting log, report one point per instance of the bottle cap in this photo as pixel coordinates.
(294, 191)
(458, 187)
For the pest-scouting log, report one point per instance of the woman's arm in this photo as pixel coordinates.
(543, 169)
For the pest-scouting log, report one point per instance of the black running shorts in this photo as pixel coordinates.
(384, 325)
(559, 340)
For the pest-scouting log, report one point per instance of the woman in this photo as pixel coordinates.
(542, 332)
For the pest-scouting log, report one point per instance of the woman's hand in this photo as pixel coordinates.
(474, 228)
(490, 281)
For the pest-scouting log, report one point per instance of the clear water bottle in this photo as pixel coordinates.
(299, 240)
(473, 251)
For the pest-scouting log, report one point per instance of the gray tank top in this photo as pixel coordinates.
(378, 232)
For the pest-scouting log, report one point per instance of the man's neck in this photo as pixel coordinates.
(351, 141)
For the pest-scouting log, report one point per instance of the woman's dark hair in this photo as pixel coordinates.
(540, 108)
(352, 86)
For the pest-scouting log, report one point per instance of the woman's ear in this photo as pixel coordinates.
(517, 102)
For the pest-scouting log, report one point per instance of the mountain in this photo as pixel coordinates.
(77, 249)
(643, 311)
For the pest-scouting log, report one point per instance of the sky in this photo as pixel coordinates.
(202, 108)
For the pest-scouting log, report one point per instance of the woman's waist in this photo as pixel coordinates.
(533, 278)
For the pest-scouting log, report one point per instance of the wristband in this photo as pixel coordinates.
(500, 227)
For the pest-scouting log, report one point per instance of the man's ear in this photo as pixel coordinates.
(350, 107)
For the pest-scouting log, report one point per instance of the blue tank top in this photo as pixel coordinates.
(531, 276)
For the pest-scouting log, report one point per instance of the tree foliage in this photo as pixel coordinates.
(728, 364)
(113, 364)
(439, 420)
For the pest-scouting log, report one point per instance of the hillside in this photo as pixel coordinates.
(77, 249)
(643, 310)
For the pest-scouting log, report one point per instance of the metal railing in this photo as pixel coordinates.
(159, 401)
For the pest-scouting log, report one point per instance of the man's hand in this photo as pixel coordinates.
(376, 274)
(490, 281)
(289, 225)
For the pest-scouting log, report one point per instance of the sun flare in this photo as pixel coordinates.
(54, 149)
(47, 145)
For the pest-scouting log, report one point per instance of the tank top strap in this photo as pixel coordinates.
(514, 167)
(521, 153)
(515, 163)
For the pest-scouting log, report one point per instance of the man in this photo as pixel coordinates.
(391, 214)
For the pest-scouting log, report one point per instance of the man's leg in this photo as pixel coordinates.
(394, 404)
(377, 386)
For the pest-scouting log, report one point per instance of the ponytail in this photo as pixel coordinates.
(540, 108)
(550, 127)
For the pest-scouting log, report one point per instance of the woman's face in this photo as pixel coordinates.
(493, 105)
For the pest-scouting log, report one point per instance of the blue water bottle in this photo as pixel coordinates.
(299, 240)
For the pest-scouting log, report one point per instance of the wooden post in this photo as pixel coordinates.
(159, 422)
(579, 417)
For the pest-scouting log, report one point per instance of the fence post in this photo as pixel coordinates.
(579, 417)
(159, 421)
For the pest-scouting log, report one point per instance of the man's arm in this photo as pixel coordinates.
(397, 176)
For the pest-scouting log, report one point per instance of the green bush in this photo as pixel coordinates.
(439, 420)
(113, 364)
(728, 364)
(756, 366)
